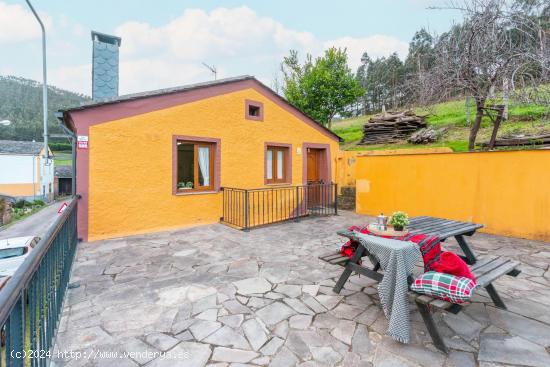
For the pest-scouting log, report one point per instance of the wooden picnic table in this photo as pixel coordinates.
(445, 228)
(486, 269)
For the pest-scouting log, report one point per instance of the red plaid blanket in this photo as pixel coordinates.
(430, 246)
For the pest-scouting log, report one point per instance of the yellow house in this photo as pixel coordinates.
(24, 173)
(177, 157)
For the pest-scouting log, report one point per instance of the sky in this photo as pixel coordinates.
(164, 42)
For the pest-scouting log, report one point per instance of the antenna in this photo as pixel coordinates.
(212, 69)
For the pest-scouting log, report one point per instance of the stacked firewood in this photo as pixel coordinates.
(537, 140)
(392, 127)
(427, 135)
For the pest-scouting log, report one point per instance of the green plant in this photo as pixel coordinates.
(399, 220)
(322, 87)
(189, 185)
(181, 185)
(38, 203)
(21, 204)
(58, 147)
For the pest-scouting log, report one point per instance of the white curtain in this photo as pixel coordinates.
(280, 164)
(269, 164)
(204, 164)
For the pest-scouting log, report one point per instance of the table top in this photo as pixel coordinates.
(443, 228)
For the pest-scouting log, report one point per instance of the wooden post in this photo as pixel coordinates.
(335, 199)
(246, 219)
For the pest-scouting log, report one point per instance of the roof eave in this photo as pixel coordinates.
(67, 112)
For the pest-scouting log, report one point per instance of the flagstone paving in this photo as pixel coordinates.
(215, 296)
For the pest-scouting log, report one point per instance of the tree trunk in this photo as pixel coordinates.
(498, 120)
(480, 103)
(505, 97)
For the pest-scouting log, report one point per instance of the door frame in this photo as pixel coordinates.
(325, 171)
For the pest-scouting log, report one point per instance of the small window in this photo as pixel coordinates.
(277, 165)
(254, 110)
(195, 166)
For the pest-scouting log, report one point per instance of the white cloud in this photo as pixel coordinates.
(223, 32)
(376, 46)
(149, 74)
(76, 78)
(236, 40)
(17, 23)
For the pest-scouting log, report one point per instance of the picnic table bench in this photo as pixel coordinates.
(486, 269)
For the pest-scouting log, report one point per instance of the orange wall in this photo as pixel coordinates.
(130, 173)
(347, 159)
(24, 189)
(508, 192)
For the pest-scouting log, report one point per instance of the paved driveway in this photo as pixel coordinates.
(215, 295)
(35, 225)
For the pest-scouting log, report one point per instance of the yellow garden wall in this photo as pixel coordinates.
(508, 191)
(130, 172)
(347, 159)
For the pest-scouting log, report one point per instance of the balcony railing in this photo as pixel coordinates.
(31, 301)
(249, 208)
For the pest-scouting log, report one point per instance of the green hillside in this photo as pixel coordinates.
(21, 103)
(523, 119)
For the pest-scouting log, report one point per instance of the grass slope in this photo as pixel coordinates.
(523, 119)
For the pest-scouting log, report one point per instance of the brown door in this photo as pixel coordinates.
(313, 177)
(313, 165)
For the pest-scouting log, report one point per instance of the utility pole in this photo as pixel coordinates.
(212, 69)
(44, 85)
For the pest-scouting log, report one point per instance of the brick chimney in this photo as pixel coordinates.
(104, 66)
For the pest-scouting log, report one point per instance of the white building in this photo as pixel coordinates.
(24, 172)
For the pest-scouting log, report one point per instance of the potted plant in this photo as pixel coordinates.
(399, 220)
(181, 185)
(189, 185)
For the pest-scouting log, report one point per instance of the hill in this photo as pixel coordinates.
(21, 103)
(451, 115)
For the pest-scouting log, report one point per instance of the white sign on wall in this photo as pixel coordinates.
(82, 142)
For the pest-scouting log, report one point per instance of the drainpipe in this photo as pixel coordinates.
(34, 177)
(44, 85)
(72, 138)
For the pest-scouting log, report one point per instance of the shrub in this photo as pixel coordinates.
(19, 204)
(399, 220)
(58, 147)
(38, 203)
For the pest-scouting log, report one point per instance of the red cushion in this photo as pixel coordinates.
(451, 263)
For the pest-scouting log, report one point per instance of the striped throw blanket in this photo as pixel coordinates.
(397, 259)
(429, 246)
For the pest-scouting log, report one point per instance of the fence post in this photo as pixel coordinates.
(297, 209)
(223, 204)
(246, 219)
(335, 199)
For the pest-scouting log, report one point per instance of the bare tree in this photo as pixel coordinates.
(497, 43)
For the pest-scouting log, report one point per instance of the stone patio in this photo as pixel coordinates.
(216, 296)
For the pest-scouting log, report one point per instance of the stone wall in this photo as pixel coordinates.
(5, 212)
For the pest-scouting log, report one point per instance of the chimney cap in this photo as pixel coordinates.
(106, 38)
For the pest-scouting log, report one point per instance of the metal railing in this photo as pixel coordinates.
(31, 302)
(249, 208)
